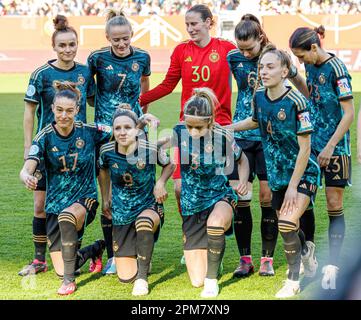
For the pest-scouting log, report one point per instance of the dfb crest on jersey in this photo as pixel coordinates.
(81, 79)
(281, 115)
(214, 56)
(135, 66)
(79, 143)
(322, 79)
(140, 164)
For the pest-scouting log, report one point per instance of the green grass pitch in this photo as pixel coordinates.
(169, 279)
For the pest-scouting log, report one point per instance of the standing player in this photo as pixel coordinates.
(208, 201)
(136, 199)
(38, 98)
(68, 149)
(251, 39)
(199, 62)
(330, 91)
(282, 115)
(122, 73)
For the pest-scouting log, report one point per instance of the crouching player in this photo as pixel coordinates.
(135, 201)
(68, 149)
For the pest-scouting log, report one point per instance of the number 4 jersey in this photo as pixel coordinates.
(69, 163)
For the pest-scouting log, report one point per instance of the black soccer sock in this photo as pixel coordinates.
(292, 247)
(304, 248)
(92, 251)
(307, 224)
(144, 245)
(269, 230)
(107, 227)
(336, 234)
(69, 244)
(243, 227)
(216, 247)
(39, 238)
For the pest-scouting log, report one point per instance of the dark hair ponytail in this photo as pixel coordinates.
(303, 38)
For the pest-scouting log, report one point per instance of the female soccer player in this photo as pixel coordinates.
(198, 62)
(136, 199)
(251, 39)
(207, 200)
(282, 115)
(332, 111)
(68, 149)
(122, 73)
(38, 98)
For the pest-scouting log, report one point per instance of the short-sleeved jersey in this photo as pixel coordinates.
(204, 163)
(199, 67)
(69, 163)
(328, 83)
(132, 177)
(245, 72)
(41, 91)
(280, 122)
(118, 80)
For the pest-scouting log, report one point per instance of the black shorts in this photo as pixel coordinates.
(125, 236)
(40, 174)
(257, 164)
(195, 227)
(52, 224)
(304, 187)
(338, 172)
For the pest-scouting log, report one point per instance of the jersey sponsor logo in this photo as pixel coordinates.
(214, 56)
(110, 67)
(80, 143)
(135, 66)
(344, 87)
(305, 121)
(322, 79)
(188, 59)
(81, 79)
(33, 150)
(281, 115)
(104, 128)
(54, 149)
(115, 166)
(140, 164)
(31, 90)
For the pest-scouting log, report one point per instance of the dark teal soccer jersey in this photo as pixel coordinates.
(328, 83)
(132, 177)
(41, 91)
(118, 80)
(280, 122)
(204, 165)
(69, 163)
(245, 73)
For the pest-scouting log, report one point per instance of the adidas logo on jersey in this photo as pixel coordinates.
(54, 149)
(336, 177)
(189, 59)
(240, 65)
(110, 67)
(115, 166)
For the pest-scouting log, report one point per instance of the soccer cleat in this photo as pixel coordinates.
(330, 273)
(245, 267)
(33, 268)
(96, 266)
(183, 260)
(309, 260)
(266, 267)
(110, 268)
(289, 289)
(302, 269)
(67, 289)
(210, 289)
(140, 288)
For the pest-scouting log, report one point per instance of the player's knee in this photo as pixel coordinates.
(265, 197)
(39, 209)
(334, 203)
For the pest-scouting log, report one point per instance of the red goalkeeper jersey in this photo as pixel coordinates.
(198, 67)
